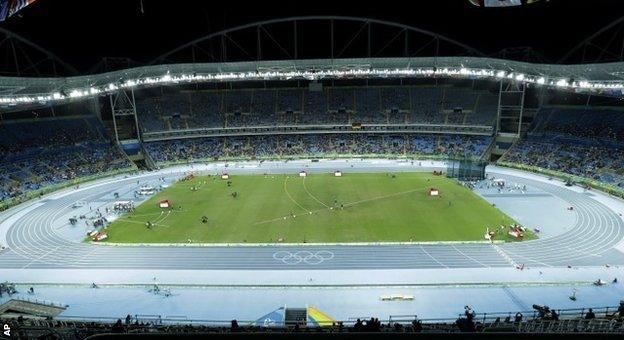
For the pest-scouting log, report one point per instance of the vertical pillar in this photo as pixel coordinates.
(112, 104)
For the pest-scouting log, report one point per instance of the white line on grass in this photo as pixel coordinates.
(313, 197)
(143, 223)
(292, 199)
(382, 197)
(346, 204)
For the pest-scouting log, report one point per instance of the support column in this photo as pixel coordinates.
(510, 108)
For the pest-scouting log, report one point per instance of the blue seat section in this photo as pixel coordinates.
(332, 105)
(317, 145)
(578, 141)
(47, 151)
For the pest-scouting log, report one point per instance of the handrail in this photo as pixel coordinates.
(39, 302)
(564, 314)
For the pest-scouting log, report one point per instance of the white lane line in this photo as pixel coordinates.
(593, 232)
(40, 257)
(433, 258)
(505, 256)
(470, 257)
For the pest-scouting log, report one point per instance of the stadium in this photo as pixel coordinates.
(330, 174)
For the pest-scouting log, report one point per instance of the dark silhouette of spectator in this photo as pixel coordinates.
(469, 312)
(590, 315)
(417, 325)
(358, 326)
(117, 327)
(465, 324)
(370, 325)
(620, 310)
(542, 311)
(234, 326)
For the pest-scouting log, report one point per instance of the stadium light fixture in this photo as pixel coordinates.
(309, 74)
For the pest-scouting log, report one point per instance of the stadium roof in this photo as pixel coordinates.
(592, 78)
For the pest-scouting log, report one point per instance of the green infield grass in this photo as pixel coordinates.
(367, 207)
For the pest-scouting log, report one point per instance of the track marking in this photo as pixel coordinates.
(505, 256)
(310, 194)
(594, 228)
(382, 197)
(433, 258)
(292, 199)
(469, 257)
(88, 254)
(42, 256)
(346, 204)
(143, 223)
(158, 220)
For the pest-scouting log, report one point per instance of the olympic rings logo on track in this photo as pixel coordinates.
(303, 256)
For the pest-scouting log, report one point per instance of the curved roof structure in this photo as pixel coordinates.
(605, 45)
(289, 45)
(419, 50)
(595, 78)
(27, 58)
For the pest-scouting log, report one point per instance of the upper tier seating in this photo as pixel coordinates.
(333, 105)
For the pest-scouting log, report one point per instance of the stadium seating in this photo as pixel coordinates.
(37, 153)
(585, 143)
(590, 123)
(44, 152)
(317, 145)
(333, 105)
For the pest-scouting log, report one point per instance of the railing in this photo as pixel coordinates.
(600, 312)
(489, 317)
(39, 302)
(482, 130)
(536, 326)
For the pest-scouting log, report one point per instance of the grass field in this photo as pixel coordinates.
(376, 207)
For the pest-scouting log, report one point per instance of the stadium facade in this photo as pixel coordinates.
(555, 120)
(228, 106)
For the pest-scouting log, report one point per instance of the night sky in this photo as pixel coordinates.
(82, 32)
